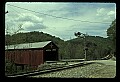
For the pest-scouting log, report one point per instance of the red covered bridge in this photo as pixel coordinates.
(32, 54)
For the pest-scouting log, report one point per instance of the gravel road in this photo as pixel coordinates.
(95, 70)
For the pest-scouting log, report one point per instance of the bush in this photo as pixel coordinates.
(9, 67)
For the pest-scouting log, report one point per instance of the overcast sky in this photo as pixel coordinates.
(60, 19)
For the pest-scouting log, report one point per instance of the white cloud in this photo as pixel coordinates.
(100, 11)
(105, 14)
(30, 26)
(111, 13)
(27, 24)
(30, 22)
(29, 17)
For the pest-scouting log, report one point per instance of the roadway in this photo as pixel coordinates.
(106, 62)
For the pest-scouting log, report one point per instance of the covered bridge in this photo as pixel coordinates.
(32, 54)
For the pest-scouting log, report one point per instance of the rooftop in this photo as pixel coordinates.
(28, 45)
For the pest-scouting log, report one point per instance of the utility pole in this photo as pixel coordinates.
(84, 45)
(7, 29)
(78, 34)
(5, 49)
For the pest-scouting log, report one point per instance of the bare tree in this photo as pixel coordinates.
(12, 31)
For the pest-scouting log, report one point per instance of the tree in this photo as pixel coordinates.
(111, 33)
(9, 67)
(12, 31)
(79, 34)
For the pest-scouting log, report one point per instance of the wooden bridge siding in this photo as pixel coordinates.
(28, 57)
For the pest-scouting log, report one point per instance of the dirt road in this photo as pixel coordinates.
(101, 69)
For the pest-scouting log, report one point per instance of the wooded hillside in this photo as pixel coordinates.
(98, 47)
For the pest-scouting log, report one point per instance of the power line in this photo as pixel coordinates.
(15, 10)
(57, 16)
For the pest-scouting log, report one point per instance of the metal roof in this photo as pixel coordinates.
(28, 45)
